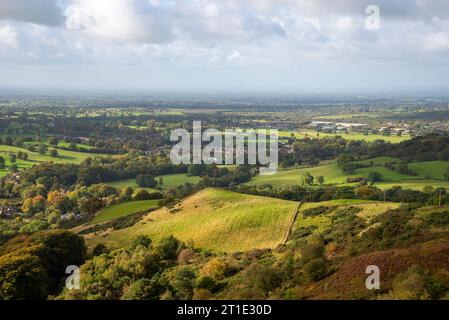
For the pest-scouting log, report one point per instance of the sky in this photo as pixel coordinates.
(291, 46)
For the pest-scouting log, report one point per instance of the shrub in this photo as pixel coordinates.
(409, 285)
(22, 277)
(141, 194)
(262, 278)
(35, 265)
(34, 226)
(99, 249)
(206, 283)
(438, 219)
(144, 289)
(184, 284)
(315, 270)
(313, 212)
(146, 181)
(375, 176)
(219, 268)
(141, 241)
(302, 232)
(311, 252)
(169, 248)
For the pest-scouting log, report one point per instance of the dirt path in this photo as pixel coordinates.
(292, 223)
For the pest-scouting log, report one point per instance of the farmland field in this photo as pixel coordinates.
(331, 172)
(124, 209)
(35, 158)
(430, 173)
(169, 181)
(65, 156)
(214, 219)
(301, 134)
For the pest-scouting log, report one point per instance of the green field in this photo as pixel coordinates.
(429, 173)
(124, 209)
(301, 134)
(35, 158)
(64, 155)
(20, 164)
(169, 181)
(331, 172)
(213, 219)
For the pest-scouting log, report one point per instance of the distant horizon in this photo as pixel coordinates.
(179, 93)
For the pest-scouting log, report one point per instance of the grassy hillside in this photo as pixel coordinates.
(432, 169)
(214, 219)
(430, 173)
(124, 209)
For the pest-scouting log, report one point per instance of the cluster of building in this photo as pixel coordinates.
(332, 127)
(336, 126)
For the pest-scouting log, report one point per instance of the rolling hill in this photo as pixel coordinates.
(213, 219)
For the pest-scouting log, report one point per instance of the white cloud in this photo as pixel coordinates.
(119, 20)
(235, 57)
(8, 37)
(437, 41)
(46, 12)
(307, 36)
(344, 24)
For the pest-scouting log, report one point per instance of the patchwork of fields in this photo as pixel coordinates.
(430, 173)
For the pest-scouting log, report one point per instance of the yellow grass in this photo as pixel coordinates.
(213, 219)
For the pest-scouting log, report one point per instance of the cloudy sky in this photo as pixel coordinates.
(225, 45)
